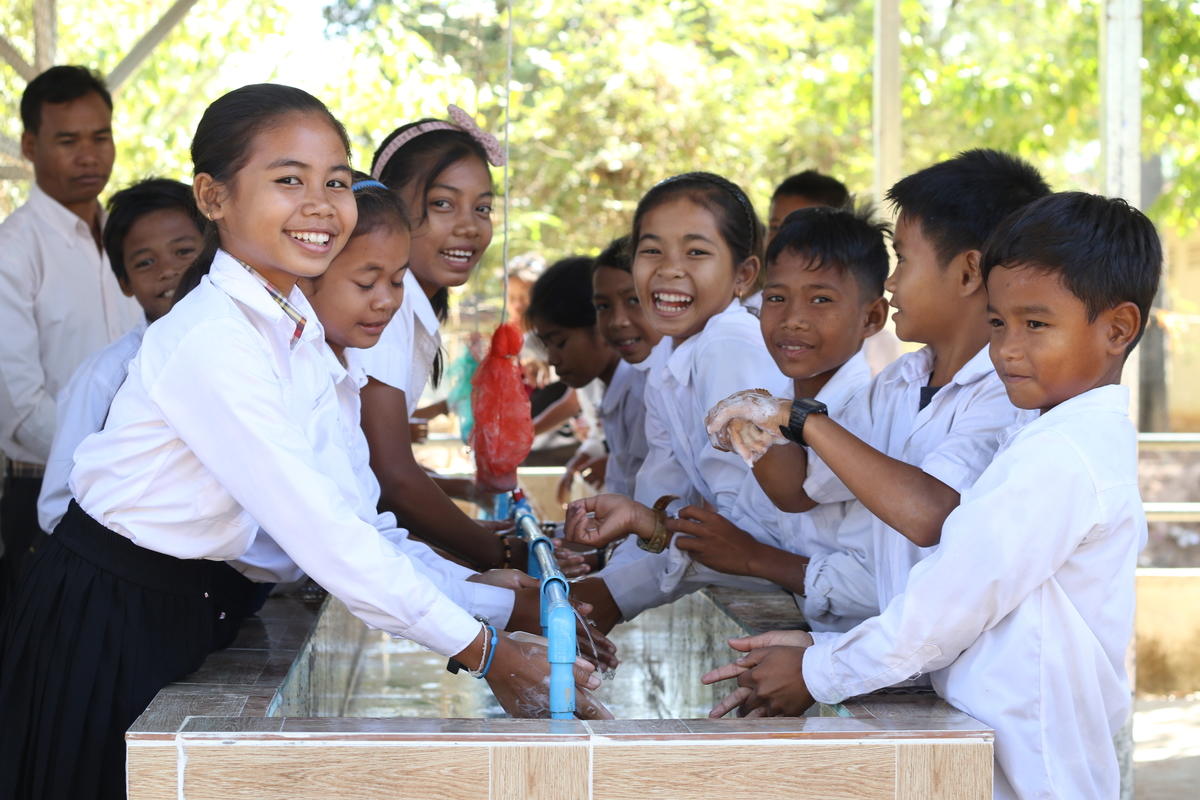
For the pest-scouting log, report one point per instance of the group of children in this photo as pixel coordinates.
(969, 517)
(257, 428)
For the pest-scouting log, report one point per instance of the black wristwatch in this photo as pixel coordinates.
(801, 408)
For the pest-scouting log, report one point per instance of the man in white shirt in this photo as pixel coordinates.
(59, 301)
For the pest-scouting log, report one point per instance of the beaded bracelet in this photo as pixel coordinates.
(489, 652)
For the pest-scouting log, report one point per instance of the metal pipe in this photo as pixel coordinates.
(557, 615)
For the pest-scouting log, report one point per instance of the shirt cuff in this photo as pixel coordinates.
(635, 584)
(954, 474)
(493, 603)
(817, 671)
(445, 628)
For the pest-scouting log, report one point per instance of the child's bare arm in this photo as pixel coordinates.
(902, 495)
(781, 473)
(718, 544)
(409, 492)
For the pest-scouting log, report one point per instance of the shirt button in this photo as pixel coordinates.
(206, 595)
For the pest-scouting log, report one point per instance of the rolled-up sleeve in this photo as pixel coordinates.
(995, 551)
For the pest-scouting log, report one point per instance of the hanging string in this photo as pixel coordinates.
(508, 69)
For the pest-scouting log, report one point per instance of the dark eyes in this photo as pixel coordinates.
(292, 180)
(601, 306)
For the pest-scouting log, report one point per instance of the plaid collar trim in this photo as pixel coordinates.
(290, 310)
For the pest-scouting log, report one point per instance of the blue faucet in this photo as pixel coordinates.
(557, 615)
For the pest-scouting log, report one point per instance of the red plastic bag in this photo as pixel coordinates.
(503, 433)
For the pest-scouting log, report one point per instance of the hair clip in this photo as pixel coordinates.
(368, 183)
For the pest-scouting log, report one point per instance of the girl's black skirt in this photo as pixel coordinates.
(96, 628)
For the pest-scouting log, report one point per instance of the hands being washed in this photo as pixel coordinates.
(770, 677)
(604, 518)
(747, 423)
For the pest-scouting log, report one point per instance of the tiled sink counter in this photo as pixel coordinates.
(309, 705)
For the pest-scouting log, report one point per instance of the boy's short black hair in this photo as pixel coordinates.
(850, 239)
(615, 256)
(813, 185)
(562, 295)
(959, 202)
(134, 202)
(59, 85)
(1104, 250)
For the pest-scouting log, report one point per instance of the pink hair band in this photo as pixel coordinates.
(460, 121)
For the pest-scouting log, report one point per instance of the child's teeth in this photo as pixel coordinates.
(310, 237)
(664, 297)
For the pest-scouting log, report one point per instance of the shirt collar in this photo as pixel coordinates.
(679, 362)
(622, 381)
(353, 368)
(1113, 398)
(61, 219)
(849, 379)
(416, 299)
(917, 367)
(249, 288)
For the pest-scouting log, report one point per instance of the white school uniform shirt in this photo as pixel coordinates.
(590, 397)
(404, 355)
(727, 356)
(81, 409)
(217, 431)
(952, 439)
(1024, 613)
(59, 303)
(623, 415)
(835, 535)
(347, 460)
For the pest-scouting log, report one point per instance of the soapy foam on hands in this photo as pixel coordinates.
(742, 423)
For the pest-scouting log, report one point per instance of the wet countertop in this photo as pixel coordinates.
(243, 688)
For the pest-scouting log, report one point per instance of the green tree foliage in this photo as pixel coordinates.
(156, 110)
(609, 96)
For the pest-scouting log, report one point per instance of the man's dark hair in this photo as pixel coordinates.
(616, 255)
(1104, 250)
(849, 239)
(562, 295)
(59, 85)
(134, 202)
(959, 202)
(814, 186)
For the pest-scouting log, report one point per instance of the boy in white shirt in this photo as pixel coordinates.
(153, 233)
(931, 421)
(1024, 614)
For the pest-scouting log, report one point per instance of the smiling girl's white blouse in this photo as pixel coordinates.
(216, 431)
(403, 356)
(728, 355)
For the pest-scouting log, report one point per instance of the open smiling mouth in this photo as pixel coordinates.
(671, 302)
(318, 239)
(457, 257)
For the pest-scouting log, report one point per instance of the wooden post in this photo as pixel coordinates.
(885, 116)
(45, 34)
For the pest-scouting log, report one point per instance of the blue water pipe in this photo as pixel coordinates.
(558, 617)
